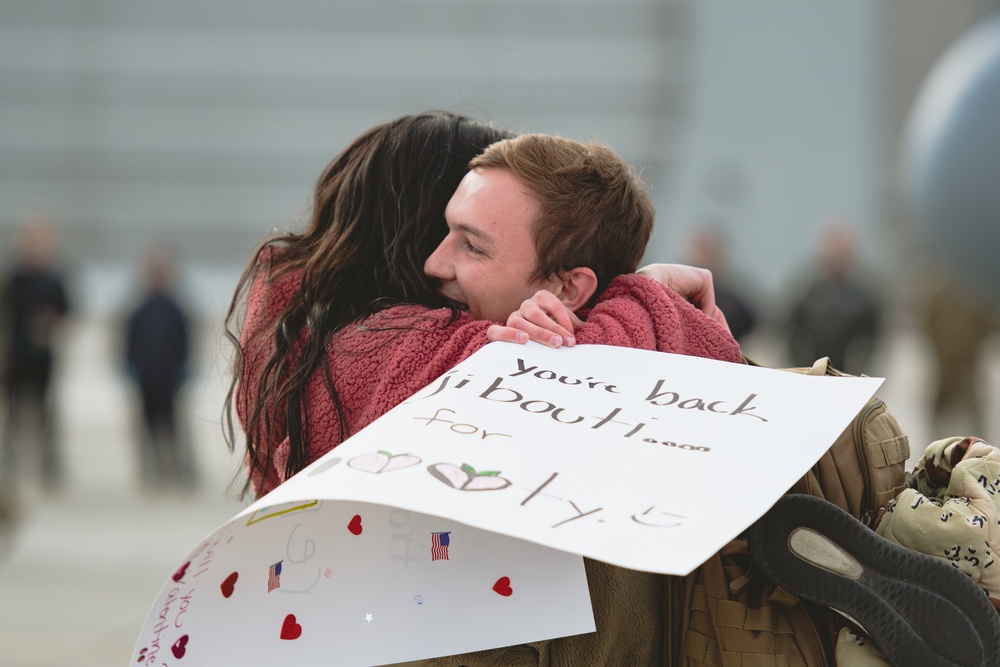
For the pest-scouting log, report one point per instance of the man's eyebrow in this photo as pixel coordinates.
(473, 231)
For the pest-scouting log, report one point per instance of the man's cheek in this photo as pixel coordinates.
(477, 292)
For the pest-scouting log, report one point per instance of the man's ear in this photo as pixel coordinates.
(575, 287)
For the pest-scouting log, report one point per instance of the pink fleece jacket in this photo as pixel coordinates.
(396, 352)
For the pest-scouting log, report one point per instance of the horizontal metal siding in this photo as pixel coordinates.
(207, 123)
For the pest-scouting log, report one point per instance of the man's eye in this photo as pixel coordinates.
(471, 249)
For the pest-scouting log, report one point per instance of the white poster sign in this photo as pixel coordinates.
(333, 583)
(522, 459)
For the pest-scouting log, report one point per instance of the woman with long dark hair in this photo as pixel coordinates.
(378, 213)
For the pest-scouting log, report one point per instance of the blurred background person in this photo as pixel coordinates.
(33, 306)
(838, 312)
(958, 326)
(707, 246)
(157, 348)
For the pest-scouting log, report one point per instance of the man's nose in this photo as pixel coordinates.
(437, 266)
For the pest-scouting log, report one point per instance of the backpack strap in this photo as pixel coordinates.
(733, 614)
(745, 629)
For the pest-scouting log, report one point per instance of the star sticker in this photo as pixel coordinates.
(368, 618)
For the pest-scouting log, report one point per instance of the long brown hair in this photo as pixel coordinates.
(377, 214)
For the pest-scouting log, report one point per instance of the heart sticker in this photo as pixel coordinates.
(229, 584)
(355, 525)
(179, 574)
(180, 647)
(290, 629)
(502, 586)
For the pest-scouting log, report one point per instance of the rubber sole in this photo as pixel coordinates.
(917, 609)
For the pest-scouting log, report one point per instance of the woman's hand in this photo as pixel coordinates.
(692, 283)
(543, 318)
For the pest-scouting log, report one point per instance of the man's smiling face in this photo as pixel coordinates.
(488, 255)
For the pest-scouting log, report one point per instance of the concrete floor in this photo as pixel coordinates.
(80, 568)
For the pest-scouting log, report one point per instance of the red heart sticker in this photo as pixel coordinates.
(229, 584)
(502, 586)
(179, 574)
(180, 647)
(355, 525)
(290, 629)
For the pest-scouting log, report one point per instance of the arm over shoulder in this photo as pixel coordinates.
(635, 311)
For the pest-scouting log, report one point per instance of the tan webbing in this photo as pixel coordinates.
(782, 597)
(732, 614)
(705, 650)
(890, 452)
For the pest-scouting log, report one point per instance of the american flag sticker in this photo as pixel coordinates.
(439, 546)
(274, 576)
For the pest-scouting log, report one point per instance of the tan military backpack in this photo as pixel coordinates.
(734, 616)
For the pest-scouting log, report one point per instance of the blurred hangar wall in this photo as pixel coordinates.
(203, 125)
